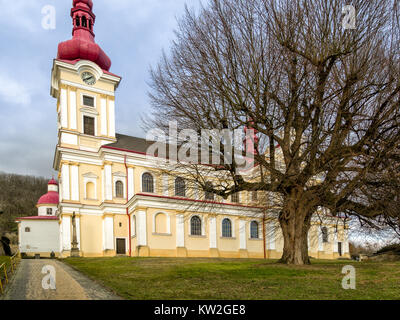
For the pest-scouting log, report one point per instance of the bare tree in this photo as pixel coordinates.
(323, 99)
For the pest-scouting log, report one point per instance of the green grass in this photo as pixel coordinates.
(194, 279)
(5, 260)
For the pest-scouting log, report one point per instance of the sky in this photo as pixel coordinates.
(133, 34)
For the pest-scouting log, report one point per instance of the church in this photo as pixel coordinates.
(115, 198)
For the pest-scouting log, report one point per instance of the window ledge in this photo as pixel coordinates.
(255, 239)
(162, 234)
(198, 237)
(228, 238)
(87, 199)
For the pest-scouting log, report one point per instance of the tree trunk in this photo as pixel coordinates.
(295, 221)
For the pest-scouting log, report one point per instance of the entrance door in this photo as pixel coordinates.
(339, 248)
(121, 248)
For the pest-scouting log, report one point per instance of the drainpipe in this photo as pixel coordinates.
(264, 236)
(127, 211)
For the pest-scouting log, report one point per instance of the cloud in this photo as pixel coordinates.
(21, 14)
(12, 91)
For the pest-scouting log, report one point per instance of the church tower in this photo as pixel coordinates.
(83, 86)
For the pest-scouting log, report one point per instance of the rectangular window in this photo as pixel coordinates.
(88, 101)
(235, 198)
(49, 211)
(88, 125)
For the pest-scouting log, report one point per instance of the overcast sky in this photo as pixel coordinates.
(131, 32)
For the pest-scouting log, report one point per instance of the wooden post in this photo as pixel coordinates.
(5, 272)
(1, 281)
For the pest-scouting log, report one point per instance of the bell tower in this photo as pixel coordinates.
(83, 86)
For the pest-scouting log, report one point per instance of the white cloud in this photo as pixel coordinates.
(13, 91)
(21, 14)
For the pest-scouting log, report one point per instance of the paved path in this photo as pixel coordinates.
(70, 284)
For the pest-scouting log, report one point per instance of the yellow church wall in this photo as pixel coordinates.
(121, 226)
(163, 241)
(91, 235)
(254, 246)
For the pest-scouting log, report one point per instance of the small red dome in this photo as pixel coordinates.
(51, 197)
(53, 182)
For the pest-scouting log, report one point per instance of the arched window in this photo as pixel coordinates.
(119, 189)
(226, 228)
(161, 223)
(90, 193)
(254, 196)
(147, 183)
(77, 21)
(209, 195)
(90, 25)
(324, 231)
(180, 187)
(195, 226)
(84, 22)
(27, 229)
(254, 230)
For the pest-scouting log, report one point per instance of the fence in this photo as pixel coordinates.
(5, 272)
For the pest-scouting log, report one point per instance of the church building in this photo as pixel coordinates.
(123, 203)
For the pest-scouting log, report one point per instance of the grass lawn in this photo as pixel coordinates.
(194, 279)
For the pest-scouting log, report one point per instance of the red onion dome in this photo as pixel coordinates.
(51, 197)
(80, 49)
(82, 45)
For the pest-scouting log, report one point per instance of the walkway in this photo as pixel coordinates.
(70, 284)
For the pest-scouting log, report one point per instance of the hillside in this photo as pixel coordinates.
(18, 197)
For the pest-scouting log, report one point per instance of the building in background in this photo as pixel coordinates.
(40, 235)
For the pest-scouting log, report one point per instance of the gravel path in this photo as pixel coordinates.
(70, 284)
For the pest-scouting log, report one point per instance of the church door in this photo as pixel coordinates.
(121, 248)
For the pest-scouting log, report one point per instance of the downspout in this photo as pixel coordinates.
(264, 236)
(127, 211)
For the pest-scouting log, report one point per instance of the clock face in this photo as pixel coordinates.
(88, 78)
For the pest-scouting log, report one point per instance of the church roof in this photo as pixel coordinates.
(37, 218)
(128, 143)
